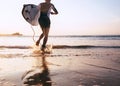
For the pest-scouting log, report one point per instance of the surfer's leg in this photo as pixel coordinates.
(38, 41)
(40, 37)
(46, 32)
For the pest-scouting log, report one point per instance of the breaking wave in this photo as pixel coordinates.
(61, 47)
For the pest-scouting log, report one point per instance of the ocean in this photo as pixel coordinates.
(85, 60)
(99, 40)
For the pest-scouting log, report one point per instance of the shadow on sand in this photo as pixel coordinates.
(41, 77)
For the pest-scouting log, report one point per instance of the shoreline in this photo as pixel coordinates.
(63, 67)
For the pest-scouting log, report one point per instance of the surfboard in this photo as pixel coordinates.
(31, 13)
(47, 50)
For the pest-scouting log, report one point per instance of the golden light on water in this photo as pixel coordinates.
(15, 64)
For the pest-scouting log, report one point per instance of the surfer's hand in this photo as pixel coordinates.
(52, 12)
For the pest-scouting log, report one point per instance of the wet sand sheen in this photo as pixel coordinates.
(64, 67)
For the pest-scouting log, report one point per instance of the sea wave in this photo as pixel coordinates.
(61, 47)
(16, 47)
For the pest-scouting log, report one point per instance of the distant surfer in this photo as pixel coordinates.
(44, 20)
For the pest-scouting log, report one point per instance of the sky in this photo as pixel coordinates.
(76, 17)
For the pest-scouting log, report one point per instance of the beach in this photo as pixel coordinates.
(96, 63)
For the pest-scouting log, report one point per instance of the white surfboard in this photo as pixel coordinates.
(31, 13)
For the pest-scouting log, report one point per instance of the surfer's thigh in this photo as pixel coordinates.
(47, 31)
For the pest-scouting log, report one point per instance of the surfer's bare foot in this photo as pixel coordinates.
(37, 43)
(43, 47)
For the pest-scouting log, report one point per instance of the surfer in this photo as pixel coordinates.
(44, 20)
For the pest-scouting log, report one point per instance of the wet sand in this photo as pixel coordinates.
(63, 67)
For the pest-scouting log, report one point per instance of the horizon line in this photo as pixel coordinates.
(69, 35)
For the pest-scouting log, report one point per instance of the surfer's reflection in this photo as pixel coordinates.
(40, 78)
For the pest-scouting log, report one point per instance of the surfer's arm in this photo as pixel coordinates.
(54, 9)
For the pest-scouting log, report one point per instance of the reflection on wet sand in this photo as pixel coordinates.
(41, 77)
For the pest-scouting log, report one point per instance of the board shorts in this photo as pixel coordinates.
(44, 20)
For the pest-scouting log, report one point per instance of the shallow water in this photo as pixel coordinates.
(95, 61)
(82, 66)
(62, 40)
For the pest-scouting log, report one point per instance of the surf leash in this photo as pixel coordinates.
(33, 37)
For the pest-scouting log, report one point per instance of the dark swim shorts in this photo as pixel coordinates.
(44, 20)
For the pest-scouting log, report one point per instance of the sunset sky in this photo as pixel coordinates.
(76, 17)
